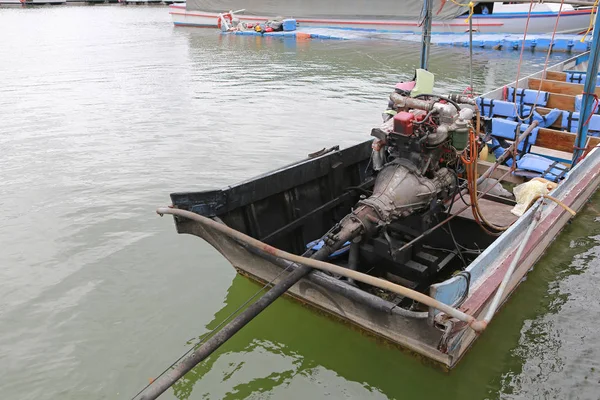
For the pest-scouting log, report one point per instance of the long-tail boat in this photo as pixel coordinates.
(413, 235)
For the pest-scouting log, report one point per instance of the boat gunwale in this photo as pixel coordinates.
(572, 190)
(228, 247)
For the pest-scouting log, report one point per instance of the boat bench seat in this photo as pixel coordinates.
(578, 77)
(503, 129)
(566, 120)
(570, 122)
(495, 108)
(528, 96)
(491, 108)
(528, 164)
(578, 100)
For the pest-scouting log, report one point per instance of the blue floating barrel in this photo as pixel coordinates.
(289, 24)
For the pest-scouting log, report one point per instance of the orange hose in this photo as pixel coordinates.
(469, 159)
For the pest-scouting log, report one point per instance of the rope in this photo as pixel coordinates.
(471, 6)
(591, 26)
(469, 159)
(545, 63)
(587, 121)
(207, 335)
(587, 151)
(554, 199)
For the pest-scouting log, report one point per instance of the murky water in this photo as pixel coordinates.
(106, 110)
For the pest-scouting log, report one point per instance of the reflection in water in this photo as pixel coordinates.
(561, 343)
(255, 362)
(109, 109)
(290, 346)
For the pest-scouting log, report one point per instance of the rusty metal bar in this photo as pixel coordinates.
(325, 266)
(508, 151)
(513, 265)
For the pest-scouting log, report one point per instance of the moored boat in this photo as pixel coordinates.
(31, 2)
(413, 235)
(295, 208)
(383, 15)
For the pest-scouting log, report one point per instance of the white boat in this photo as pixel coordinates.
(31, 2)
(384, 15)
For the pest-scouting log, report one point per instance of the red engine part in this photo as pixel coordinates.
(403, 123)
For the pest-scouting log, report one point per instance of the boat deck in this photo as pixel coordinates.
(292, 207)
(495, 212)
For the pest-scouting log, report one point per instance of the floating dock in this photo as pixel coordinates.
(561, 43)
(151, 2)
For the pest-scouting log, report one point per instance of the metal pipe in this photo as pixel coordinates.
(426, 36)
(325, 266)
(338, 286)
(163, 383)
(167, 380)
(589, 89)
(508, 151)
(471, 55)
(500, 292)
(353, 257)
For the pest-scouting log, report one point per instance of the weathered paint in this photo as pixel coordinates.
(489, 261)
(486, 271)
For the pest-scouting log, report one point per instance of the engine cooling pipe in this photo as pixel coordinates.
(324, 266)
(344, 288)
(447, 110)
(165, 381)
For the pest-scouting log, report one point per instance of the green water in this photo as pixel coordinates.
(109, 109)
(295, 352)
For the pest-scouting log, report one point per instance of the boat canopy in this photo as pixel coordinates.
(351, 9)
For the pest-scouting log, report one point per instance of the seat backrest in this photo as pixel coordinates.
(502, 128)
(528, 96)
(495, 108)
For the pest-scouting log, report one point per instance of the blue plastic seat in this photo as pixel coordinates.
(535, 165)
(528, 96)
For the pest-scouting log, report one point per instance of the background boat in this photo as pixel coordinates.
(31, 2)
(383, 15)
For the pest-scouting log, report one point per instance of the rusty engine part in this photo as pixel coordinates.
(413, 153)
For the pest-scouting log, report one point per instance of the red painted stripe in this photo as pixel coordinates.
(574, 12)
(340, 21)
(475, 303)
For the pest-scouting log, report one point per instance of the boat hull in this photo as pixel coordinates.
(574, 21)
(289, 207)
(31, 2)
(412, 334)
(418, 335)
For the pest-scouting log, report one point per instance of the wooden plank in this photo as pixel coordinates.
(496, 213)
(560, 141)
(500, 170)
(552, 154)
(556, 76)
(572, 89)
(561, 101)
(557, 139)
(544, 110)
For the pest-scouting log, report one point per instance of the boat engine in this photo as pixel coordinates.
(414, 156)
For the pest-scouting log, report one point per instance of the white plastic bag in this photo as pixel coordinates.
(526, 192)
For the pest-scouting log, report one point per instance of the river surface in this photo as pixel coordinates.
(106, 110)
